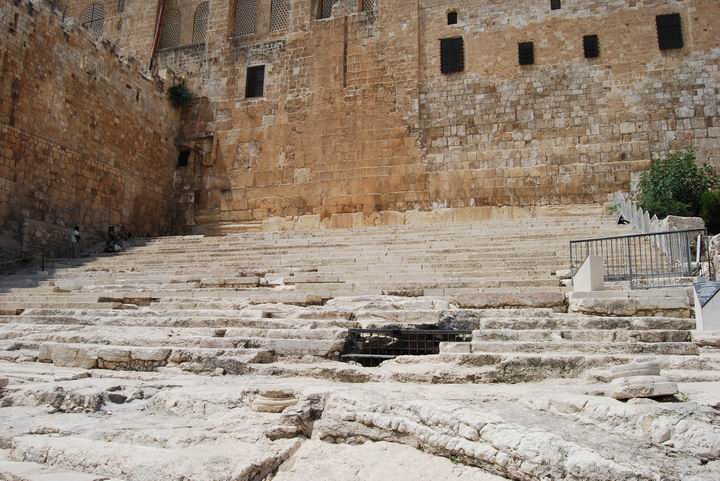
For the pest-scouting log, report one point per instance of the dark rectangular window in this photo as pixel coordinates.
(183, 158)
(452, 55)
(452, 18)
(526, 53)
(591, 46)
(669, 31)
(255, 82)
(555, 4)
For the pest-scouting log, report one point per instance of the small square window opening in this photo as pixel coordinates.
(255, 82)
(591, 46)
(526, 53)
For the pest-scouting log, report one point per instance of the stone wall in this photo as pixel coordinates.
(131, 29)
(566, 129)
(357, 123)
(329, 136)
(85, 138)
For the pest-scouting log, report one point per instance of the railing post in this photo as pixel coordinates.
(689, 254)
(630, 270)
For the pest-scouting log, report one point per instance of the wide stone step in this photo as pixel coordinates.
(679, 348)
(581, 335)
(516, 298)
(564, 322)
(319, 342)
(281, 347)
(18, 354)
(532, 367)
(138, 358)
(678, 306)
(21, 306)
(209, 460)
(29, 471)
(184, 322)
(159, 309)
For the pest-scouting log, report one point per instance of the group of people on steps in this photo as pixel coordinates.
(116, 236)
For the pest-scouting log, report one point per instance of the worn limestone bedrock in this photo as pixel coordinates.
(319, 461)
(155, 427)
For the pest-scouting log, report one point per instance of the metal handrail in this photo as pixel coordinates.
(19, 260)
(640, 235)
(660, 259)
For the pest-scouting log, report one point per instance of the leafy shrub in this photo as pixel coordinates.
(675, 185)
(711, 211)
(180, 95)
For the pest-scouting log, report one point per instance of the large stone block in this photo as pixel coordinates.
(673, 222)
(590, 276)
(642, 387)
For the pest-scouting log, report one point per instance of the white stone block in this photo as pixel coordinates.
(591, 275)
(707, 305)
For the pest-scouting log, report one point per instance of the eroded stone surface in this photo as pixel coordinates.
(525, 431)
(647, 386)
(320, 461)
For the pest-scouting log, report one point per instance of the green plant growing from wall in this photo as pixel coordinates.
(675, 185)
(180, 95)
(710, 211)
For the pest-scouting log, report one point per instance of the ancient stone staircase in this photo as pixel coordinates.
(281, 304)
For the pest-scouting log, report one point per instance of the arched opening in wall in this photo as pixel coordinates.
(170, 33)
(245, 17)
(121, 6)
(93, 20)
(200, 23)
(279, 15)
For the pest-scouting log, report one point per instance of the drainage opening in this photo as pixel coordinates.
(370, 347)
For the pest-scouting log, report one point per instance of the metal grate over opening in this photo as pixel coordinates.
(279, 15)
(452, 55)
(526, 53)
(245, 17)
(368, 5)
(200, 23)
(170, 33)
(370, 347)
(591, 46)
(326, 7)
(93, 20)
